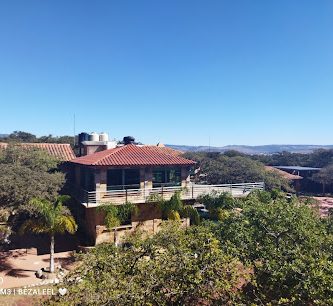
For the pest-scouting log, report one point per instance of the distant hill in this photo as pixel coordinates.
(265, 149)
(3, 135)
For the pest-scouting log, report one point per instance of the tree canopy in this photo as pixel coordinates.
(219, 168)
(324, 176)
(288, 246)
(21, 136)
(26, 174)
(173, 267)
(266, 249)
(318, 158)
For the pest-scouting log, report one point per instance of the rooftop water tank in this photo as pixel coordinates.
(94, 137)
(103, 137)
(128, 140)
(83, 137)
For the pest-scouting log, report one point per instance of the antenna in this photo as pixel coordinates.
(74, 129)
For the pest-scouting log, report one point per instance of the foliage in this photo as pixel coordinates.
(115, 215)
(52, 218)
(324, 176)
(173, 267)
(288, 246)
(20, 136)
(49, 218)
(228, 168)
(26, 174)
(174, 209)
(318, 158)
(218, 203)
(5, 230)
(190, 212)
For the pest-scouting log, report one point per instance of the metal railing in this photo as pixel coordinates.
(143, 195)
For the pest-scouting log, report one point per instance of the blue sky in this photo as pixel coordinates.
(175, 71)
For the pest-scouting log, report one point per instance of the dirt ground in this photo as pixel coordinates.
(324, 204)
(18, 267)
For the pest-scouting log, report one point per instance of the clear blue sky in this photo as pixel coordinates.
(175, 71)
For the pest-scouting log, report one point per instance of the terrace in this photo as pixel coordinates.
(144, 195)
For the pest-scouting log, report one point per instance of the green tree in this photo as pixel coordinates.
(27, 173)
(288, 246)
(235, 168)
(218, 204)
(22, 136)
(50, 218)
(324, 176)
(173, 267)
(116, 215)
(174, 209)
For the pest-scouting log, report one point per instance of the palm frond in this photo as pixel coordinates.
(36, 226)
(65, 224)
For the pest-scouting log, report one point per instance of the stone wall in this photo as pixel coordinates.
(148, 219)
(151, 227)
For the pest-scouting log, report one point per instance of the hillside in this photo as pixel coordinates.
(265, 149)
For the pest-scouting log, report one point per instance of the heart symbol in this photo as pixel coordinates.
(62, 291)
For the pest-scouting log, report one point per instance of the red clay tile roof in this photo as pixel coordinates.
(62, 151)
(132, 155)
(288, 176)
(166, 150)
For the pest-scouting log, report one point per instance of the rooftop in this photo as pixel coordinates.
(284, 174)
(132, 155)
(62, 151)
(297, 168)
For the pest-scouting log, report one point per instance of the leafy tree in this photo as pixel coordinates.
(174, 209)
(218, 204)
(324, 176)
(318, 158)
(236, 168)
(22, 136)
(50, 218)
(173, 267)
(288, 246)
(5, 230)
(26, 174)
(115, 215)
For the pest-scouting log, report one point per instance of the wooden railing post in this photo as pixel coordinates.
(192, 191)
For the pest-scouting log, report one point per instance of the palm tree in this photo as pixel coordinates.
(50, 218)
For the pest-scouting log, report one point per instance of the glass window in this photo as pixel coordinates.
(166, 177)
(115, 179)
(132, 178)
(123, 179)
(87, 179)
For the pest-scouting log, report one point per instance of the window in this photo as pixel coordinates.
(115, 179)
(166, 177)
(132, 178)
(87, 179)
(123, 179)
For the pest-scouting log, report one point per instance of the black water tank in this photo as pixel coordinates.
(128, 140)
(83, 137)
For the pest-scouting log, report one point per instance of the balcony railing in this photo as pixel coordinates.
(143, 195)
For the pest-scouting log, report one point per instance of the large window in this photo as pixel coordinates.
(166, 177)
(87, 179)
(123, 179)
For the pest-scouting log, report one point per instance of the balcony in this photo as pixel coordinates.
(137, 196)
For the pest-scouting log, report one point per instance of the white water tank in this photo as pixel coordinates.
(94, 137)
(103, 137)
